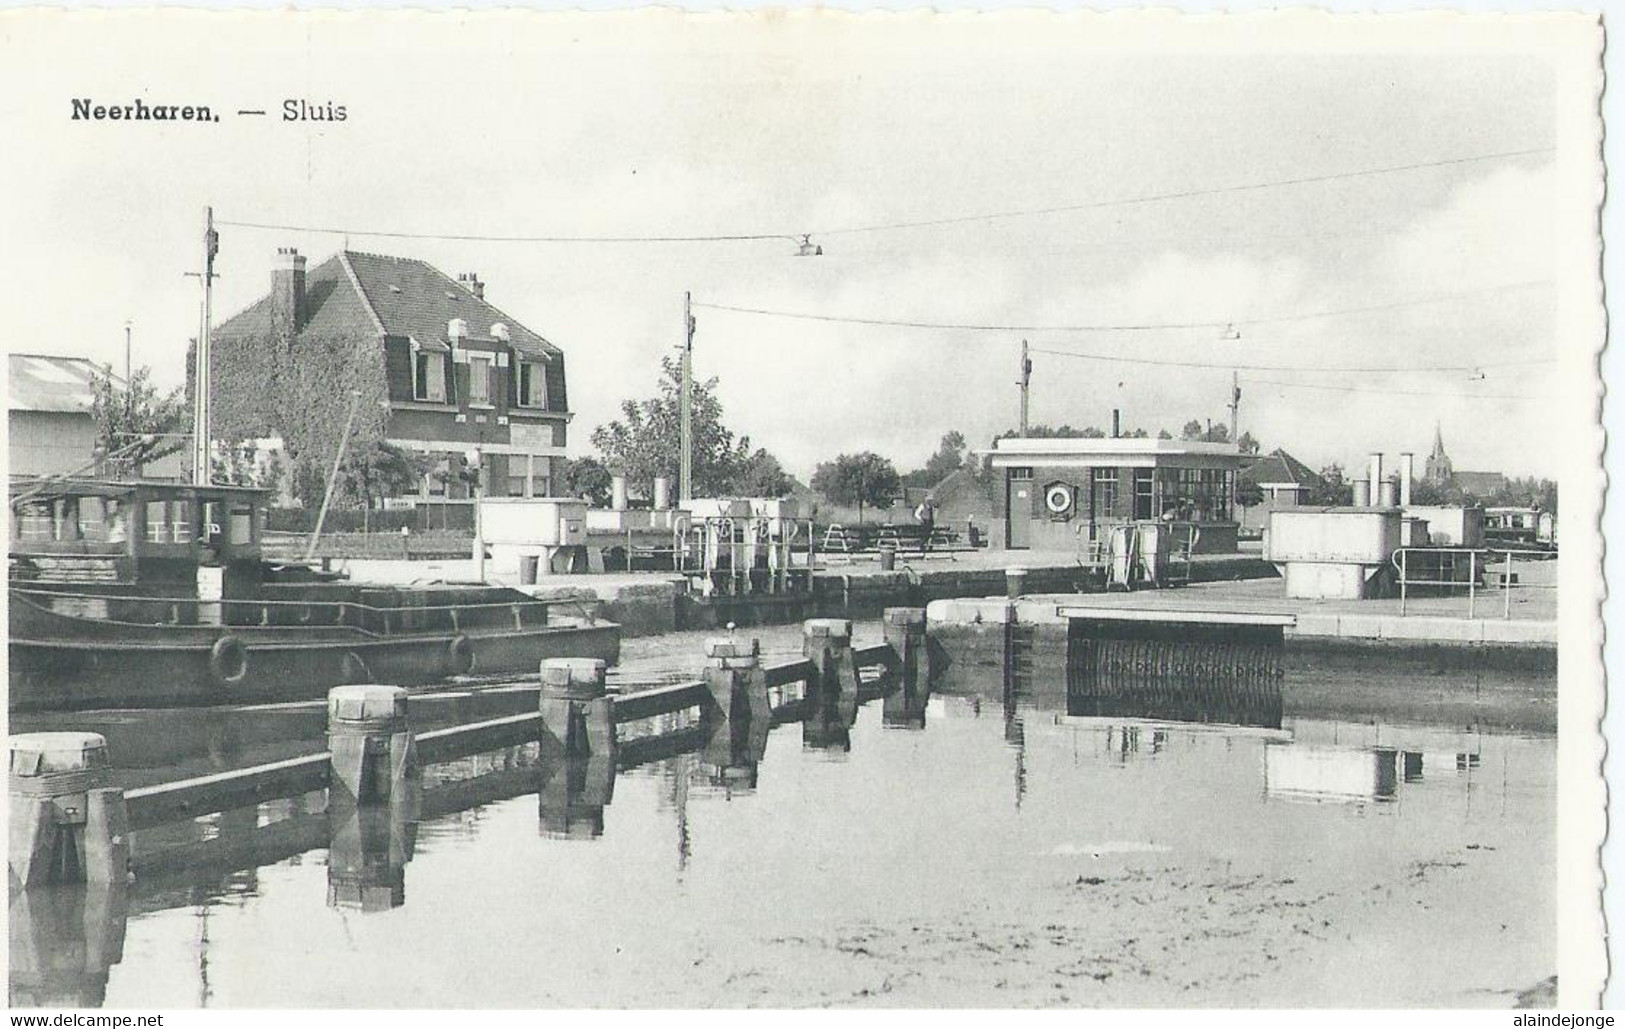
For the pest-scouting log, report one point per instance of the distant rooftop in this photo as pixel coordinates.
(1004, 450)
(40, 382)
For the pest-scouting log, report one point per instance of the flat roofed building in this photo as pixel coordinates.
(51, 429)
(1059, 493)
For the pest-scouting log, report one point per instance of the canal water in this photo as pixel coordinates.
(989, 850)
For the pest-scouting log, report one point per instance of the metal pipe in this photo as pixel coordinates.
(662, 493)
(1376, 477)
(1407, 471)
(617, 492)
(1362, 493)
(1387, 494)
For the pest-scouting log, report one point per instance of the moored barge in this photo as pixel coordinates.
(156, 594)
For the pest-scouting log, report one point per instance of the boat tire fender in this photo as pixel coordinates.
(228, 661)
(459, 656)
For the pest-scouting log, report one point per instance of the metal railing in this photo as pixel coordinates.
(1478, 560)
(371, 619)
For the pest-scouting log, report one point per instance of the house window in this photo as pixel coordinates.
(1199, 494)
(438, 476)
(479, 379)
(1105, 492)
(428, 377)
(1021, 474)
(1143, 497)
(516, 484)
(532, 384)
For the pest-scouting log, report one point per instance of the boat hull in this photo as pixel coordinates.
(60, 661)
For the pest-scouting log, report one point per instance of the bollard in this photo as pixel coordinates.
(369, 738)
(827, 643)
(832, 688)
(576, 713)
(735, 678)
(904, 629)
(1015, 582)
(67, 826)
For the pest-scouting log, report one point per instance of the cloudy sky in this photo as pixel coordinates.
(820, 124)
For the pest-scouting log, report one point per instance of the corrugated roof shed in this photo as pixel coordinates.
(40, 382)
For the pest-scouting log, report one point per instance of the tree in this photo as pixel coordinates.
(1248, 444)
(1164, 434)
(300, 388)
(1249, 494)
(1334, 491)
(135, 417)
(380, 470)
(587, 478)
(761, 475)
(949, 458)
(645, 442)
(861, 479)
(1192, 430)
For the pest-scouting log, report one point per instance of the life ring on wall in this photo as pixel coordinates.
(355, 669)
(459, 658)
(1058, 499)
(228, 661)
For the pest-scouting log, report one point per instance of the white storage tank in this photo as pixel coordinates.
(1333, 552)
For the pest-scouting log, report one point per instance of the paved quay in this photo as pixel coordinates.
(1433, 619)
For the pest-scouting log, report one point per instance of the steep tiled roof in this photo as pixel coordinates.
(1279, 467)
(332, 307)
(1479, 484)
(354, 293)
(413, 298)
(44, 383)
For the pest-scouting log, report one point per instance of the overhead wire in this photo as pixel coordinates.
(802, 234)
(1217, 323)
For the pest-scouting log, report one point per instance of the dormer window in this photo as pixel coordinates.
(532, 384)
(428, 377)
(479, 379)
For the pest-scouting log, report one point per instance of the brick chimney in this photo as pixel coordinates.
(288, 290)
(471, 282)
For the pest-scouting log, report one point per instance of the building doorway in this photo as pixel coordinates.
(1018, 509)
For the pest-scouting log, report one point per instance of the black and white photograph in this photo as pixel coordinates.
(803, 509)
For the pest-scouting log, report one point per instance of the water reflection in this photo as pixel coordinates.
(574, 792)
(1046, 774)
(367, 851)
(63, 942)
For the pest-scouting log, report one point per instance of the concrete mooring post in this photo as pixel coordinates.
(904, 629)
(832, 688)
(369, 738)
(735, 678)
(576, 713)
(67, 825)
(741, 711)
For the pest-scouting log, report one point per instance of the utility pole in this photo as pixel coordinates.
(1235, 405)
(685, 473)
(1024, 382)
(201, 472)
(129, 383)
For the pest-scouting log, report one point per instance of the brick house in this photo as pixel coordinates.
(1059, 494)
(1283, 480)
(459, 372)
